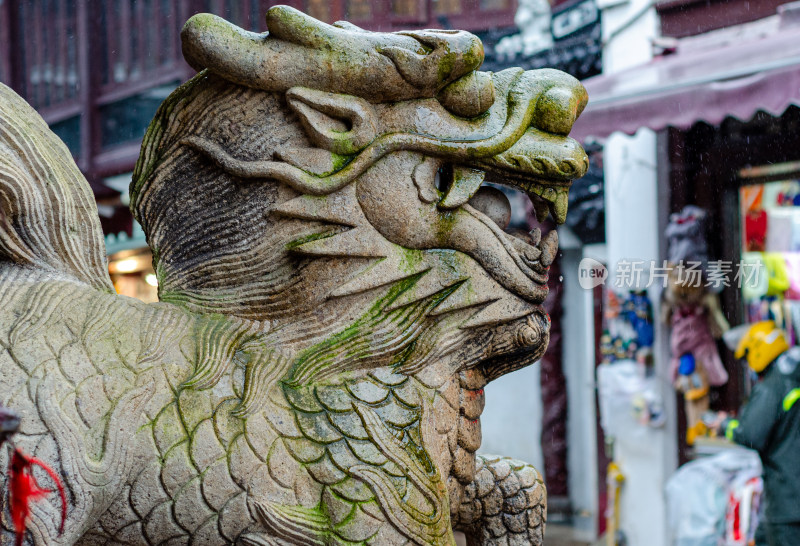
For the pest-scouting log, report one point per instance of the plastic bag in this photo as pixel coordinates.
(628, 399)
(699, 493)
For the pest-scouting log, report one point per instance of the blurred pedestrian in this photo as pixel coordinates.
(770, 424)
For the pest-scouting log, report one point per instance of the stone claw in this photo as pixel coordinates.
(505, 504)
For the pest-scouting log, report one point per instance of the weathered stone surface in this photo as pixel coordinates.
(510, 510)
(330, 315)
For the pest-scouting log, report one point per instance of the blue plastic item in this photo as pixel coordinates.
(687, 364)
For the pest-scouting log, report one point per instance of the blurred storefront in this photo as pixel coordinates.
(723, 105)
(697, 105)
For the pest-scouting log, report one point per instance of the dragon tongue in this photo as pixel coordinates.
(466, 181)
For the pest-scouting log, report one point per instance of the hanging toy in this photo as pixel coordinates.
(694, 315)
(23, 488)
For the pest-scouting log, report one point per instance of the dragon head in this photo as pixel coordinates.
(326, 182)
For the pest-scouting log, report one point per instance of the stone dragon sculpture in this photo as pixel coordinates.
(336, 290)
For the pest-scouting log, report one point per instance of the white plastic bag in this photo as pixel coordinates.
(629, 401)
(698, 496)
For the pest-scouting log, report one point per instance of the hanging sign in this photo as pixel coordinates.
(574, 19)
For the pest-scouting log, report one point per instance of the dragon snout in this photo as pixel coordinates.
(547, 157)
(559, 107)
(542, 165)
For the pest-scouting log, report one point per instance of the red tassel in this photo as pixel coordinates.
(24, 490)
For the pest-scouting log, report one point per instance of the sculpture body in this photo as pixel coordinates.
(330, 316)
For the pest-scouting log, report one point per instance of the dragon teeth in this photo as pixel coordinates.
(541, 209)
(466, 181)
(552, 199)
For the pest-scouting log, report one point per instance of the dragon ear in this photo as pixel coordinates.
(342, 124)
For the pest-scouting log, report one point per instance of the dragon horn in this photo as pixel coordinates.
(382, 66)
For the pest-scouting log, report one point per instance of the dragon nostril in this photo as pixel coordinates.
(557, 110)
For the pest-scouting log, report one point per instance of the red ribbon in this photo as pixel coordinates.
(24, 489)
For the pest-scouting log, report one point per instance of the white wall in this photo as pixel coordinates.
(635, 212)
(512, 420)
(631, 200)
(628, 27)
(635, 215)
(579, 358)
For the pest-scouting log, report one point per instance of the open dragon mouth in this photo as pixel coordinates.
(532, 252)
(542, 165)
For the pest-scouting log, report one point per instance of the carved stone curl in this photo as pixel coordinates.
(332, 303)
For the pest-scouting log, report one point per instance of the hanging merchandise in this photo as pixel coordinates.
(627, 385)
(695, 318)
(692, 323)
(788, 195)
(793, 271)
(686, 236)
(639, 313)
(695, 363)
(629, 327)
(777, 273)
(755, 283)
(796, 230)
(793, 323)
(756, 230)
(691, 381)
(771, 288)
(779, 234)
(755, 218)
